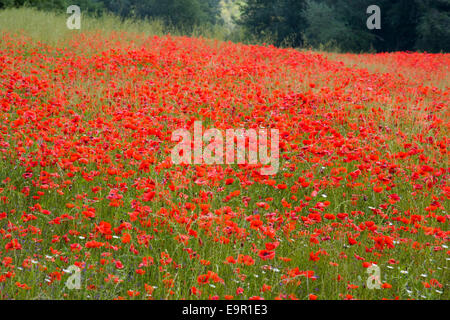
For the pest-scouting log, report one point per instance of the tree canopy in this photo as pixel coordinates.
(406, 24)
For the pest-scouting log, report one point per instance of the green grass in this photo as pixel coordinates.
(50, 27)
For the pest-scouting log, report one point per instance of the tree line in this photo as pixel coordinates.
(406, 25)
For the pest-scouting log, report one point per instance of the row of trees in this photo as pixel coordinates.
(405, 24)
(179, 13)
(338, 24)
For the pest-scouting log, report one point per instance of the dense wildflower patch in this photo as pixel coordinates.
(86, 177)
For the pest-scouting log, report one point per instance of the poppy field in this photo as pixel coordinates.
(87, 181)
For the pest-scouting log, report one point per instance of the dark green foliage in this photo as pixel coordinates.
(406, 25)
(90, 6)
(122, 8)
(325, 27)
(40, 4)
(180, 13)
(340, 24)
(433, 30)
(282, 20)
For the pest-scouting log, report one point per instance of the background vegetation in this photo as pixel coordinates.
(337, 25)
